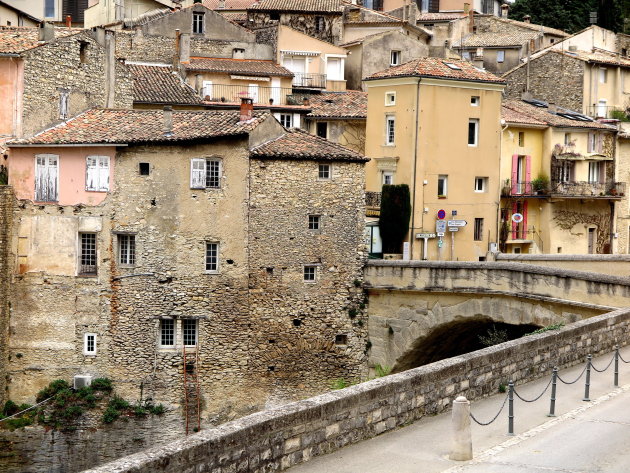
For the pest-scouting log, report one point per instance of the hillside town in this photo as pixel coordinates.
(190, 190)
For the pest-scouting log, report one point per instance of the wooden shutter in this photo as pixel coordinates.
(103, 173)
(528, 174)
(524, 237)
(514, 224)
(197, 173)
(514, 173)
(91, 173)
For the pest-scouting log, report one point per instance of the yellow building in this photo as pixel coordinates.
(558, 175)
(435, 125)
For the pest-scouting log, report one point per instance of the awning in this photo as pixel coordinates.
(251, 78)
(299, 53)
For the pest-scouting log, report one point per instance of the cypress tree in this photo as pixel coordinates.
(395, 215)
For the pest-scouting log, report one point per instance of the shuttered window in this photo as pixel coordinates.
(97, 173)
(205, 173)
(46, 177)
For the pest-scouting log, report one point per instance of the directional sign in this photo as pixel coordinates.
(440, 234)
(457, 223)
(453, 229)
(440, 226)
(441, 214)
(425, 235)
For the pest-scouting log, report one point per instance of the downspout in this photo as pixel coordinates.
(498, 225)
(415, 167)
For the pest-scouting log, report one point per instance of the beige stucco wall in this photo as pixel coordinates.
(623, 208)
(293, 40)
(11, 88)
(586, 40)
(613, 90)
(9, 17)
(237, 88)
(103, 12)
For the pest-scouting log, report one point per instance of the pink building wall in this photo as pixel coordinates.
(71, 169)
(11, 91)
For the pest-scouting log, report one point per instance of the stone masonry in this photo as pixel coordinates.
(6, 217)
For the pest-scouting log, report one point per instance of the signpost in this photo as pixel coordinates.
(425, 246)
(456, 223)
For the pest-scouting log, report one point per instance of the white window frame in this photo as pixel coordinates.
(305, 274)
(286, 120)
(206, 89)
(444, 179)
(395, 57)
(603, 75)
(86, 351)
(474, 101)
(592, 142)
(388, 175)
(339, 73)
(131, 250)
(324, 167)
(390, 130)
(161, 330)
(208, 260)
(390, 99)
(43, 172)
(195, 323)
(198, 23)
(97, 172)
(475, 143)
(199, 173)
(481, 184)
(80, 255)
(500, 55)
(64, 104)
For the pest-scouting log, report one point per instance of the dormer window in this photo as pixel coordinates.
(455, 67)
(197, 22)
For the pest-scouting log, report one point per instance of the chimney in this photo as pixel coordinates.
(478, 59)
(178, 49)
(552, 107)
(168, 120)
(471, 20)
(247, 109)
(184, 48)
(505, 9)
(404, 10)
(466, 8)
(527, 18)
(68, 21)
(306, 102)
(46, 32)
(221, 4)
(110, 68)
(412, 14)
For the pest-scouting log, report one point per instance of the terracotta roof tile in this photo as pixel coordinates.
(348, 104)
(229, 4)
(17, 39)
(252, 67)
(436, 67)
(319, 6)
(300, 145)
(99, 126)
(514, 116)
(553, 119)
(599, 57)
(233, 16)
(515, 38)
(535, 27)
(159, 84)
(422, 17)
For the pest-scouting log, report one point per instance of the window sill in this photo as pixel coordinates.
(211, 273)
(95, 190)
(89, 354)
(441, 197)
(472, 146)
(92, 276)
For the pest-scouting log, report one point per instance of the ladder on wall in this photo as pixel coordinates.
(192, 407)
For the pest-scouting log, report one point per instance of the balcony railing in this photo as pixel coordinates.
(309, 80)
(608, 111)
(607, 189)
(232, 94)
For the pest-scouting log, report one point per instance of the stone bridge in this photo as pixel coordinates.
(424, 311)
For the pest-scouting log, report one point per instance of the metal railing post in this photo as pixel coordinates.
(587, 385)
(552, 407)
(617, 366)
(510, 408)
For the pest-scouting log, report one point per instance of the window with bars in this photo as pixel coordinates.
(310, 273)
(205, 173)
(390, 129)
(126, 250)
(87, 254)
(189, 330)
(324, 171)
(167, 333)
(212, 257)
(313, 222)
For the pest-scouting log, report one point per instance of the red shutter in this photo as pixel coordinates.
(528, 174)
(514, 224)
(525, 218)
(514, 173)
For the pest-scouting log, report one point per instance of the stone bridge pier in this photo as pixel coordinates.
(424, 311)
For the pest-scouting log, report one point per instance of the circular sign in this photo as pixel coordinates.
(517, 218)
(441, 214)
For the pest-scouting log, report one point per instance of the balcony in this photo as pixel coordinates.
(609, 112)
(309, 80)
(232, 94)
(571, 189)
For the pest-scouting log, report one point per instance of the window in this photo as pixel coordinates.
(500, 56)
(324, 171)
(83, 52)
(388, 178)
(390, 99)
(274, 16)
(442, 185)
(602, 107)
(466, 55)
(63, 104)
(144, 169)
(474, 101)
(97, 173)
(49, 8)
(205, 173)
(341, 339)
(206, 91)
(481, 184)
(285, 120)
(126, 250)
(395, 58)
(603, 75)
(453, 66)
(252, 92)
(390, 129)
(313, 222)
(197, 22)
(596, 172)
(334, 68)
(46, 177)
(478, 233)
(212, 257)
(89, 344)
(87, 254)
(565, 171)
(189, 330)
(167, 333)
(473, 132)
(521, 138)
(320, 24)
(567, 139)
(322, 129)
(310, 273)
(595, 142)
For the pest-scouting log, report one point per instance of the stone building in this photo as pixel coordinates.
(156, 85)
(194, 255)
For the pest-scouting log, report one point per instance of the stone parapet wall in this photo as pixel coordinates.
(7, 201)
(613, 265)
(276, 439)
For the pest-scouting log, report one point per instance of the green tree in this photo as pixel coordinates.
(395, 214)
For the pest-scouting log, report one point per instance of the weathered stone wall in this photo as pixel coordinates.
(553, 77)
(56, 67)
(278, 438)
(303, 22)
(6, 216)
(613, 265)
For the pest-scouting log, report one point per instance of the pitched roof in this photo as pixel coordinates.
(101, 126)
(309, 6)
(514, 38)
(298, 144)
(348, 104)
(422, 17)
(542, 113)
(514, 116)
(252, 67)
(159, 84)
(229, 4)
(599, 57)
(436, 67)
(17, 39)
(534, 27)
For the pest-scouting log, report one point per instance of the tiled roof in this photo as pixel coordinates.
(544, 115)
(159, 84)
(233, 16)
(229, 4)
(312, 6)
(17, 39)
(100, 126)
(516, 38)
(348, 104)
(298, 144)
(440, 16)
(513, 116)
(535, 27)
(252, 67)
(599, 57)
(436, 67)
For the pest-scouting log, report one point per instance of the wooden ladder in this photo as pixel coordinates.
(192, 407)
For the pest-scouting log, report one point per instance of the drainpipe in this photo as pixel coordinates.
(504, 127)
(415, 167)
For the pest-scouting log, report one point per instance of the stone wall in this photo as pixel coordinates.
(6, 217)
(278, 438)
(613, 265)
(553, 77)
(306, 23)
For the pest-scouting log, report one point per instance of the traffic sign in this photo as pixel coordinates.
(441, 214)
(440, 234)
(453, 229)
(517, 218)
(425, 235)
(440, 226)
(457, 223)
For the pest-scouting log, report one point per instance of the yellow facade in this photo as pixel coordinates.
(430, 144)
(606, 88)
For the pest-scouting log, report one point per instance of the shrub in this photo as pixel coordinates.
(118, 403)
(52, 389)
(110, 415)
(157, 410)
(395, 215)
(10, 408)
(381, 371)
(102, 384)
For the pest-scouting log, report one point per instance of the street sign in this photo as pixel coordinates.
(517, 218)
(453, 229)
(457, 223)
(440, 234)
(440, 226)
(425, 235)
(441, 214)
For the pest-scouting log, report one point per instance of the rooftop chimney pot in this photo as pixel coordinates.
(168, 120)
(527, 18)
(505, 9)
(46, 32)
(68, 21)
(247, 109)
